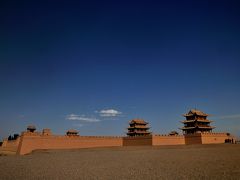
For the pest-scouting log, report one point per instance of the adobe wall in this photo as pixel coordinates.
(207, 138)
(4, 143)
(11, 145)
(137, 141)
(193, 138)
(158, 140)
(28, 143)
(215, 138)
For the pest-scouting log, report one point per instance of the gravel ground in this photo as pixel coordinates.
(162, 162)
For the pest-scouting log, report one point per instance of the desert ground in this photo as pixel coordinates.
(161, 162)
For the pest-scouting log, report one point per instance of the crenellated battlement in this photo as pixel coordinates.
(212, 133)
(69, 137)
(167, 135)
(26, 133)
(137, 137)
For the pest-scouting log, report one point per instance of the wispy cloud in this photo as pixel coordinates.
(232, 116)
(109, 113)
(75, 117)
(78, 125)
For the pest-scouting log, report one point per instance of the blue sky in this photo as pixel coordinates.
(93, 66)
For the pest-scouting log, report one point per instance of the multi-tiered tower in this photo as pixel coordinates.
(196, 122)
(138, 127)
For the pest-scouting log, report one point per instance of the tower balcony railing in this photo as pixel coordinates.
(202, 125)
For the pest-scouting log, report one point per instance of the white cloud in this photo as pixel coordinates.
(233, 116)
(76, 117)
(109, 113)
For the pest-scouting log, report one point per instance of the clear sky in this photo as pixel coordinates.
(95, 65)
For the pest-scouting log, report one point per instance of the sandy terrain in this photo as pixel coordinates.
(168, 162)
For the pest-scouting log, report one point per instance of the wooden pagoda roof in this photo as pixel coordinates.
(72, 131)
(139, 132)
(193, 112)
(173, 133)
(139, 127)
(138, 121)
(31, 127)
(198, 120)
(200, 127)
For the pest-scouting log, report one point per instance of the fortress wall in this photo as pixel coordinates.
(137, 141)
(4, 143)
(168, 140)
(214, 138)
(30, 143)
(11, 145)
(193, 138)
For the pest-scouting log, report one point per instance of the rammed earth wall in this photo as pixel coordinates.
(33, 141)
(215, 138)
(159, 140)
(193, 139)
(11, 145)
(29, 143)
(137, 141)
(207, 138)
